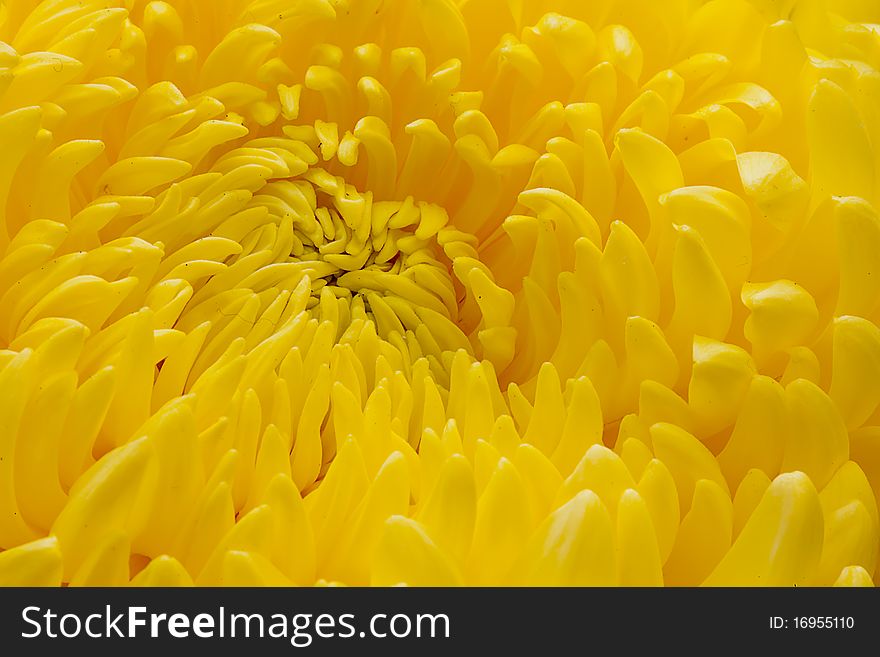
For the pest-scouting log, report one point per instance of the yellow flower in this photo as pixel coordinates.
(439, 292)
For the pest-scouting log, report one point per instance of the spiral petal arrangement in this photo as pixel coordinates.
(439, 292)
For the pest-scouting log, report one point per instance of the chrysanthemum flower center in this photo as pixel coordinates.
(350, 245)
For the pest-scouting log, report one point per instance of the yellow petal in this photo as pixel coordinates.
(657, 487)
(406, 555)
(163, 571)
(817, 443)
(781, 543)
(687, 459)
(37, 563)
(853, 576)
(719, 383)
(573, 547)
(855, 361)
(501, 527)
(759, 435)
(638, 555)
(841, 161)
(748, 494)
(703, 538)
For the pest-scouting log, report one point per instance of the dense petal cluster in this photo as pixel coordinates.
(439, 292)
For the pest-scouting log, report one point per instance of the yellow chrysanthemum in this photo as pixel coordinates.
(439, 292)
